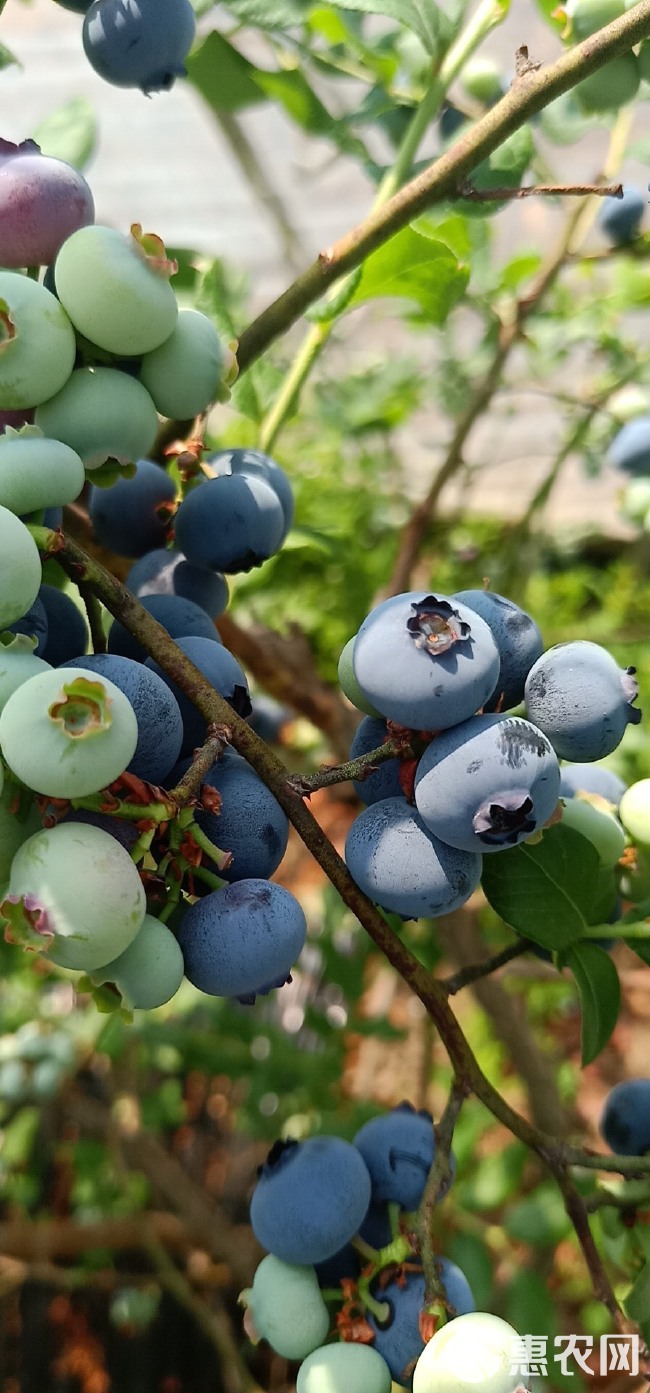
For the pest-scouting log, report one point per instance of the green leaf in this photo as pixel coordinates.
(227, 81)
(600, 995)
(545, 891)
(270, 14)
(414, 267)
(540, 1218)
(432, 26)
(70, 133)
(7, 58)
(637, 1303)
(222, 75)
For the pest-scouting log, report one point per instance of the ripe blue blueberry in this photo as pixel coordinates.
(630, 449)
(250, 822)
(139, 43)
(129, 517)
(403, 867)
(400, 1341)
(425, 661)
(384, 782)
(310, 1198)
(625, 1121)
(67, 630)
(517, 638)
(591, 778)
(620, 218)
(260, 466)
(581, 700)
(181, 618)
(488, 783)
(242, 941)
(230, 523)
(398, 1148)
(224, 674)
(167, 572)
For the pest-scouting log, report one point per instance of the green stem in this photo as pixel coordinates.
(487, 15)
(220, 858)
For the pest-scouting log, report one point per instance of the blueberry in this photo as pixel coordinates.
(620, 218)
(250, 822)
(400, 1341)
(425, 661)
(167, 572)
(127, 517)
(625, 1121)
(67, 631)
(489, 783)
(222, 672)
(403, 867)
(591, 778)
(242, 941)
(181, 619)
(517, 638)
(398, 1148)
(230, 523)
(385, 781)
(581, 700)
(310, 1198)
(630, 449)
(139, 43)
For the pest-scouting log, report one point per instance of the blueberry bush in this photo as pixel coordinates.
(324, 791)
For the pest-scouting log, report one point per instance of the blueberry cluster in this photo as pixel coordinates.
(482, 782)
(136, 43)
(95, 359)
(338, 1221)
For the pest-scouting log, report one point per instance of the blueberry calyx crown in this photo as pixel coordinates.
(405, 1106)
(278, 1154)
(504, 818)
(435, 626)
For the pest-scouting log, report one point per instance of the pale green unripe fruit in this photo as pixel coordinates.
(634, 811)
(628, 402)
(79, 894)
(102, 414)
(20, 568)
(610, 87)
(14, 830)
(18, 662)
(348, 682)
(344, 1368)
(592, 817)
(183, 375)
(287, 1308)
(589, 15)
(68, 732)
(150, 970)
(471, 1353)
(112, 291)
(37, 343)
(37, 473)
(635, 503)
(481, 78)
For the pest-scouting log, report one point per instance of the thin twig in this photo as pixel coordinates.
(531, 190)
(475, 971)
(355, 769)
(440, 1175)
(188, 788)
